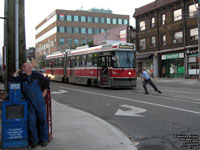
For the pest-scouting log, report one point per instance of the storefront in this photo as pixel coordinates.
(145, 61)
(193, 65)
(173, 64)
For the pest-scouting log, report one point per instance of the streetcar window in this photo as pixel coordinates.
(123, 60)
(95, 59)
(89, 60)
(84, 60)
(79, 61)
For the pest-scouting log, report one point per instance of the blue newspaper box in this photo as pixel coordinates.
(14, 119)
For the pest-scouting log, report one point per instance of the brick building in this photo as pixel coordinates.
(167, 37)
(65, 29)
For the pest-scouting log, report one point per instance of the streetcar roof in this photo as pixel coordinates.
(56, 55)
(103, 48)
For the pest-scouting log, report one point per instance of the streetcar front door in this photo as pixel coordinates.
(104, 76)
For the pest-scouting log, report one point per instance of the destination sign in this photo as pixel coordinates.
(126, 46)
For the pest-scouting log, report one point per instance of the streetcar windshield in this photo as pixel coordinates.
(123, 60)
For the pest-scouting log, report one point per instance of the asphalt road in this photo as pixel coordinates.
(170, 120)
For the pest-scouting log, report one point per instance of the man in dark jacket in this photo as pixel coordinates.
(31, 88)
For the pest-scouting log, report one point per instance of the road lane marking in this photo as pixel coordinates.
(59, 92)
(134, 100)
(171, 98)
(135, 111)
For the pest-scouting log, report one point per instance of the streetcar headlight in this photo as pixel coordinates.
(129, 73)
(51, 76)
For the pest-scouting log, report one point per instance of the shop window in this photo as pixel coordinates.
(177, 68)
(193, 65)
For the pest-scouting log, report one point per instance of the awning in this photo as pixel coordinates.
(143, 56)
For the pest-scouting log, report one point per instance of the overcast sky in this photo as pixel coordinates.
(37, 10)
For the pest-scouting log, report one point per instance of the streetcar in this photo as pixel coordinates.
(54, 66)
(112, 65)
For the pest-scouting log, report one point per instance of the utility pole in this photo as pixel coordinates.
(14, 39)
(198, 18)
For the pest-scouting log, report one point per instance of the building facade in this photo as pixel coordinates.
(167, 38)
(65, 29)
(123, 33)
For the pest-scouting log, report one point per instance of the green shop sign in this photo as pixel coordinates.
(172, 56)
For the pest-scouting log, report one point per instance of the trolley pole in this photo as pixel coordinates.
(198, 18)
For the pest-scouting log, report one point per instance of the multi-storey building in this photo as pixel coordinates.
(65, 29)
(123, 33)
(167, 38)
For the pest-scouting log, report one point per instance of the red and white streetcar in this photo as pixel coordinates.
(112, 65)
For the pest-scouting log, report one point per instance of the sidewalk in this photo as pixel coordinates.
(175, 80)
(178, 80)
(77, 130)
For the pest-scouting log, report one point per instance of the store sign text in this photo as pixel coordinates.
(172, 56)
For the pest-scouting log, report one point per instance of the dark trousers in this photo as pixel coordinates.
(145, 82)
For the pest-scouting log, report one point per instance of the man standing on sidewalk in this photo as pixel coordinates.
(147, 80)
(31, 88)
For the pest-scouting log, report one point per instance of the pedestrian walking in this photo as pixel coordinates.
(34, 94)
(147, 80)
